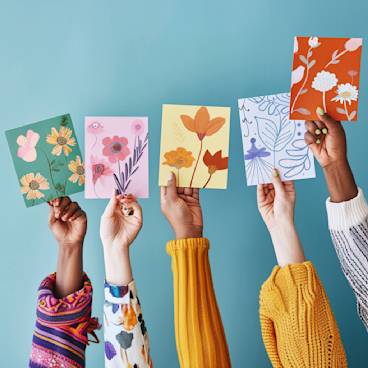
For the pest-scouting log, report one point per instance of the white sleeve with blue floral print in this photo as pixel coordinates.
(126, 337)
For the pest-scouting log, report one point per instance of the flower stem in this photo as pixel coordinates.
(208, 180)
(51, 176)
(346, 111)
(324, 101)
(304, 83)
(336, 58)
(195, 167)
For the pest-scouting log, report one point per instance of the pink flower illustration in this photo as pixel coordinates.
(353, 44)
(27, 146)
(115, 148)
(137, 127)
(100, 168)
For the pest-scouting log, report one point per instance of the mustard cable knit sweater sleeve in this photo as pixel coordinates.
(200, 337)
(298, 326)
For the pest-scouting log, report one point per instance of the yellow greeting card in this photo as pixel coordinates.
(195, 145)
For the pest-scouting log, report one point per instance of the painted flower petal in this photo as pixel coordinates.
(188, 122)
(297, 74)
(215, 125)
(110, 351)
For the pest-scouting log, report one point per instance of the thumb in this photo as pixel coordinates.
(277, 183)
(111, 206)
(171, 191)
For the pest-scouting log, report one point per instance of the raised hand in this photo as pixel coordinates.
(120, 224)
(67, 221)
(276, 203)
(326, 138)
(182, 209)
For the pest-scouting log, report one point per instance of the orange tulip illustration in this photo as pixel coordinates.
(203, 126)
(214, 163)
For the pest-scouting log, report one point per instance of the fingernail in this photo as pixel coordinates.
(320, 111)
(317, 131)
(275, 173)
(318, 141)
(170, 177)
(324, 130)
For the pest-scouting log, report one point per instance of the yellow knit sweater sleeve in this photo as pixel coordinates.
(200, 337)
(298, 326)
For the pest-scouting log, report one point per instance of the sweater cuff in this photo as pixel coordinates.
(344, 215)
(298, 274)
(71, 309)
(174, 246)
(119, 294)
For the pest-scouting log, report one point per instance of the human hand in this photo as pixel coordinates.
(276, 203)
(326, 138)
(118, 229)
(182, 209)
(67, 221)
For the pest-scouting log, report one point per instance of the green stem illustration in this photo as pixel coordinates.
(195, 167)
(50, 170)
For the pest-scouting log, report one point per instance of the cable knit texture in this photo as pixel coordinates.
(298, 327)
(200, 337)
(348, 223)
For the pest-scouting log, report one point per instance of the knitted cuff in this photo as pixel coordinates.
(343, 215)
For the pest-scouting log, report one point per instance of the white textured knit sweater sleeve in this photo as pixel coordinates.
(348, 224)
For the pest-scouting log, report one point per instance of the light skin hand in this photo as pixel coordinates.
(326, 138)
(182, 209)
(118, 231)
(68, 223)
(276, 203)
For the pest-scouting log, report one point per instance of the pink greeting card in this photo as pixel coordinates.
(116, 156)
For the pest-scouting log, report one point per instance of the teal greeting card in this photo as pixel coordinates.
(47, 159)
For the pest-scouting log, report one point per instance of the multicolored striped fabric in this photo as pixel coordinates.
(62, 325)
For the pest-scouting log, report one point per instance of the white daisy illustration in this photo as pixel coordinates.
(346, 93)
(324, 82)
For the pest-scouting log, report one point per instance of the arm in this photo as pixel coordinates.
(200, 336)
(65, 297)
(297, 323)
(126, 337)
(347, 208)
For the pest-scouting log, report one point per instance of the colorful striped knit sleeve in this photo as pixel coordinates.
(62, 325)
(126, 337)
(200, 336)
(348, 223)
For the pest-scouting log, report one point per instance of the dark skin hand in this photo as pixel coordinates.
(68, 223)
(326, 138)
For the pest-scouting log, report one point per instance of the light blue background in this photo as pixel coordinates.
(122, 57)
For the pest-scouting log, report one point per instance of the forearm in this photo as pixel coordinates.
(340, 181)
(117, 266)
(69, 275)
(200, 337)
(286, 243)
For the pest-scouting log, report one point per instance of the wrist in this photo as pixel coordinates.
(340, 181)
(194, 231)
(117, 266)
(69, 247)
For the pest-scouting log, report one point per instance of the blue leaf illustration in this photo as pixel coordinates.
(299, 160)
(275, 135)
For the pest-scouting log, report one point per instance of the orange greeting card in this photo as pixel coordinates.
(325, 74)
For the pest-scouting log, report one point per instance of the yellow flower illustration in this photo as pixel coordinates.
(77, 168)
(179, 158)
(62, 139)
(33, 184)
